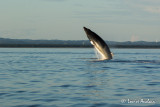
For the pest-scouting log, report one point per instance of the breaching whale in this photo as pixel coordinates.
(99, 44)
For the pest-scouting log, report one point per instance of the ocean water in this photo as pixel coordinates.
(73, 77)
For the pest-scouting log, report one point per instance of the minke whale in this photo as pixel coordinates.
(99, 44)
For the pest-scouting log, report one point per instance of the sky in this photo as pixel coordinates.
(113, 20)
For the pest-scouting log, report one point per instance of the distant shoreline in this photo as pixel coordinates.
(27, 43)
(72, 46)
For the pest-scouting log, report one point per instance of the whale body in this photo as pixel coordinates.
(99, 44)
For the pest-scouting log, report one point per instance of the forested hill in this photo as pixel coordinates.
(6, 42)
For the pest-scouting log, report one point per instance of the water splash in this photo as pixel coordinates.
(99, 55)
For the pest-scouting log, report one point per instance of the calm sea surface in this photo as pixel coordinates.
(70, 77)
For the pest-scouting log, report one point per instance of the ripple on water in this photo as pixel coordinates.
(34, 105)
(1, 94)
(153, 83)
(65, 86)
(132, 89)
(46, 100)
(120, 94)
(20, 91)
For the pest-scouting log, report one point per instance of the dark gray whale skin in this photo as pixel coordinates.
(98, 43)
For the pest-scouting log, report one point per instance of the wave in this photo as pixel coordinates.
(125, 61)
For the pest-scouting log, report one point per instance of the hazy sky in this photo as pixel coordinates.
(114, 20)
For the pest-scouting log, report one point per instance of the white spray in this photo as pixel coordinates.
(99, 55)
